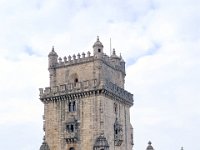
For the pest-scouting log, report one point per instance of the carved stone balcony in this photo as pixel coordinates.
(71, 137)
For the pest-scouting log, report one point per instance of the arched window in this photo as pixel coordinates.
(115, 108)
(76, 80)
(71, 148)
(69, 106)
(72, 106)
(72, 128)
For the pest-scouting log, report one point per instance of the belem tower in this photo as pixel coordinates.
(86, 106)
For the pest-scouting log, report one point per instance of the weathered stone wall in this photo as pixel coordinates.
(82, 72)
(112, 75)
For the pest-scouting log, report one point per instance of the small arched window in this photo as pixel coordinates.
(75, 80)
(69, 106)
(72, 106)
(71, 148)
(115, 108)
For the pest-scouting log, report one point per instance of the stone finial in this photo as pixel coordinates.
(97, 38)
(121, 59)
(65, 59)
(79, 56)
(114, 52)
(83, 55)
(41, 91)
(69, 58)
(60, 59)
(149, 147)
(44, 145)
(88, 53)
(52, 53)
(181, 148)
(74, 57)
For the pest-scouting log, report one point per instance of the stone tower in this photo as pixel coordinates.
(86, 106)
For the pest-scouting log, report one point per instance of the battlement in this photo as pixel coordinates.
(84, 58)
(90, 86)
(75, 59)
(68, 88)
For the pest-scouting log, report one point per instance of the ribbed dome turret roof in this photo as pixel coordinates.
(149, 147)
(114, 55)
(97, 43)
(53, 53)
(44, 145)
(101, 141)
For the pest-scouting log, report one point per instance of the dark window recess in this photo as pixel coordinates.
(71, 148)
(115, 108)
(72, 106)
(99, 50)
(70, 127)
(76, 80)
(118, 133)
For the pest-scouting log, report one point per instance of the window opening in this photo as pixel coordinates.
(70, 127)
(72, 106)
(76, 80)
(115, 108)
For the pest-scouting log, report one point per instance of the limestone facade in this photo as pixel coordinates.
(86, 106)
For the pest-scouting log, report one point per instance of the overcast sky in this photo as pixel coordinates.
(158, 39)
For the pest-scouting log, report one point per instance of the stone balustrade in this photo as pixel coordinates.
(89, 85)
(68, 88)
(120, 92)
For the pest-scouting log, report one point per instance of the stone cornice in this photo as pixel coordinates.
(91, 88)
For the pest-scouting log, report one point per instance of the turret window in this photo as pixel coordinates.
(72, 106)
(76, 80)
(118, 133)
(70, 127)
(115, 108)
(99, 50)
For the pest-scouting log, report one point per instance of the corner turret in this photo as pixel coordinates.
(53, 57)
(98, 48)
(122, 63)
(44, 145)
(53, 60)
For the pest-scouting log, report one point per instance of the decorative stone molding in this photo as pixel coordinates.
(85, 89)
(101, 143)
(118, 133)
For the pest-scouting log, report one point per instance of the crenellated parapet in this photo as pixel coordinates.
(74, 59)
(116, 62)
(83, 89)
(68, 88)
